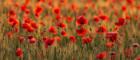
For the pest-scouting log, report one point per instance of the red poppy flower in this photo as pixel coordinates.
(69, 19)
(63, 33)
(58, 17)
(81, 20)
(56, 10)
(30, 29)
(25, 25)
(101, 55)
(57, 38)
(23, 7)
(74, 7)
(137, 58)
(138, 7)
(112, 36)
(63, 1)
(96, 18)
(81, 32)
(19, 52)
(127, 17)
(29, 25)
(124, 8)
(52, 30)
(130, 1)
(109, 44)
(13, 21)
(31, 39)
(38, 11)
(27, 11)
(72, 39)
(86, 40)
(121, 22)
(27, 20)
(61, 25)
(41, 0)
(104, 17)
(34, 25)
(12, 13)
(101, 29)
(48, 41)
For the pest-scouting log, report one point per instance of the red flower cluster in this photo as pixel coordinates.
(29, 25)
(38, 11)
(13, 21)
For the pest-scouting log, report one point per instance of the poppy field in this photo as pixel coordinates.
(69, 29)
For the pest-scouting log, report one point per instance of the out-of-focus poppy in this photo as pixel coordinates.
(109, 44)
(13, 21)
(101, 55)
(63, 33)
(121, 22)
(81, 20)
(57, 10)
(48, 41)
(72, 39)
(38, 11)
(61, 25)
(52, 30)
(81, 31)
(31, 39)
(124, 8)
(86, 40)
(104, 17)
(19, 52)
(96, 18)
(101, 29)
(112, 36)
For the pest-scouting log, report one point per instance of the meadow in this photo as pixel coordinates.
(69, 30)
